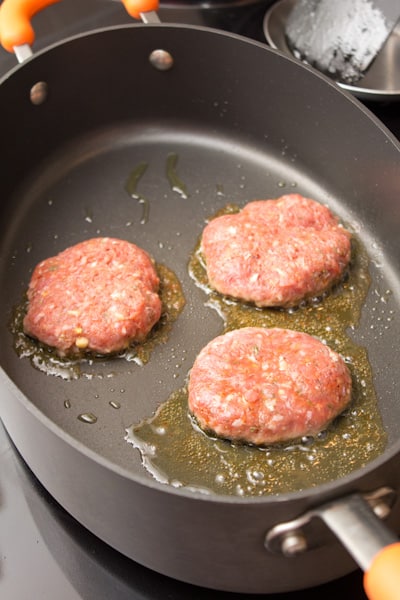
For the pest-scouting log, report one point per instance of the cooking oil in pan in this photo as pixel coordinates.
(87, 417)
(175, 451)
(131, 187)
(175, 182)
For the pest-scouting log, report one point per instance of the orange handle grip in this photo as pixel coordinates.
(15, 25)
(382, 580)
(16, 15)
(135, 7)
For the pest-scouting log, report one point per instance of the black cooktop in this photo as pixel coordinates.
(44, 552)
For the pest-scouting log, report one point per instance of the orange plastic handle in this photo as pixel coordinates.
(16, 15)
(382, 580)
(135, 7)
(15, 21)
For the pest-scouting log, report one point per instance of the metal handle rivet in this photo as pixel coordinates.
(294, 543)
(381, 509)
(38, 93)
(161, 60)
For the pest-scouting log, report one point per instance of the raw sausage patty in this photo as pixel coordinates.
(96, 296)
(263, 386)
(276, 252)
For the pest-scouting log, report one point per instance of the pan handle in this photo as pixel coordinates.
(135, 8)
(16, 30)
(375, 548)
(15, 21)
(354, 521)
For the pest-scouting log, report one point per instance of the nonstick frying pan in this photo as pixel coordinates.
(243, 122)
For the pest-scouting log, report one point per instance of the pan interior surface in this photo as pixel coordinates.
(79, 197)
(222, 137)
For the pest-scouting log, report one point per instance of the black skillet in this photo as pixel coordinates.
(243, 122)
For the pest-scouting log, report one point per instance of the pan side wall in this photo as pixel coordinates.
(233, 88)
(223, 84)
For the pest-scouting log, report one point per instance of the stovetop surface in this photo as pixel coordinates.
(44, 552)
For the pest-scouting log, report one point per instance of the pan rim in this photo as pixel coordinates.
(343, 91)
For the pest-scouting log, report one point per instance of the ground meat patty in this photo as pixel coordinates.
(263, 386)
(276, 252)
(97, 296)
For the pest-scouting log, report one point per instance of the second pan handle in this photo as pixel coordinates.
(15, 19)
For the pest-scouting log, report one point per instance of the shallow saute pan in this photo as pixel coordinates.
(242, 122)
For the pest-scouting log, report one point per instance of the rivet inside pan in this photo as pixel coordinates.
(38, 93)
(161, 60)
